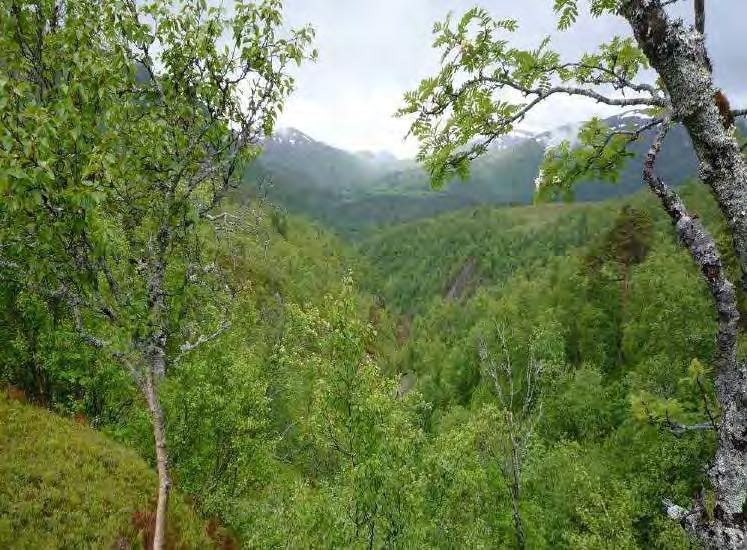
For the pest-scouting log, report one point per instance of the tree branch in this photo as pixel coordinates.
(689, 519)
(592, 94)
(618, 81)
(544, 93)
(728, 470)
(707, 406)
(679, 428)
(201, 340)
(704, 252)
(700, 16)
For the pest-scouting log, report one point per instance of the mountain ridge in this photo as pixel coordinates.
(354, 191)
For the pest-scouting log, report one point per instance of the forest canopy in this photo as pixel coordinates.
(553, 375)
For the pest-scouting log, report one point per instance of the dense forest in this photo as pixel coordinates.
(214, 333)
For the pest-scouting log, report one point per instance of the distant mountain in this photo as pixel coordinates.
(315, 165)
(308, 176)
(349, 191)
(378, 157)
(352, 191)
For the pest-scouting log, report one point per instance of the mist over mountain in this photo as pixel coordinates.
(352, 191)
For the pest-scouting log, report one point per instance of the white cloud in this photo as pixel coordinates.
(372, 51)
(361, 122)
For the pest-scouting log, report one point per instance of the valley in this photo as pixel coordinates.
(217, 331)
(355, 192)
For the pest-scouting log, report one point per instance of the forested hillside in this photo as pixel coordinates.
(355, 193)
(271, 400)
(498, 242)
(217, 334)
(581, 309)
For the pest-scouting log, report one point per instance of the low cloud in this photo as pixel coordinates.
(370, 53)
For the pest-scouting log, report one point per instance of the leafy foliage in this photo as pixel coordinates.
(332, 413)
(485, 87)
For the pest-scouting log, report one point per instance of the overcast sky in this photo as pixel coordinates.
(371, 51)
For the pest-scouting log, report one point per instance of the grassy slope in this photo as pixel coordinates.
(63, 485)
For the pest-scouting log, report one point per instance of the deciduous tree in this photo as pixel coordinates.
(485, 87)
(122, 126)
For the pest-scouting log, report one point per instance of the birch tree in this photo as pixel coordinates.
(485, 87)
(518, 390)
(122, 126)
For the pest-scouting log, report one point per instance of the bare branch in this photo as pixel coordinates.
(518, 429)
(679, 428)
(492, 370)
(201, 340)
(700, 16)
(676, 427)
(703, 250)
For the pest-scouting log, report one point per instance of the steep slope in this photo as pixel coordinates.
(310, 177)
(414, 262)
(525, 284)
(63, 485)
(352, 191)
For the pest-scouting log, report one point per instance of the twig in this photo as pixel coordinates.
(705, 403)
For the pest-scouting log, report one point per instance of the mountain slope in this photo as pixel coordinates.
(63, 485)
(520, 284)
(307, 176)
(414, 262)
(353, 192)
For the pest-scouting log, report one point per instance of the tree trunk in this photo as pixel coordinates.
(156, 354)
(515, 485)
(679, 56)
(728, 471)
(700, 16)
(162, 461)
